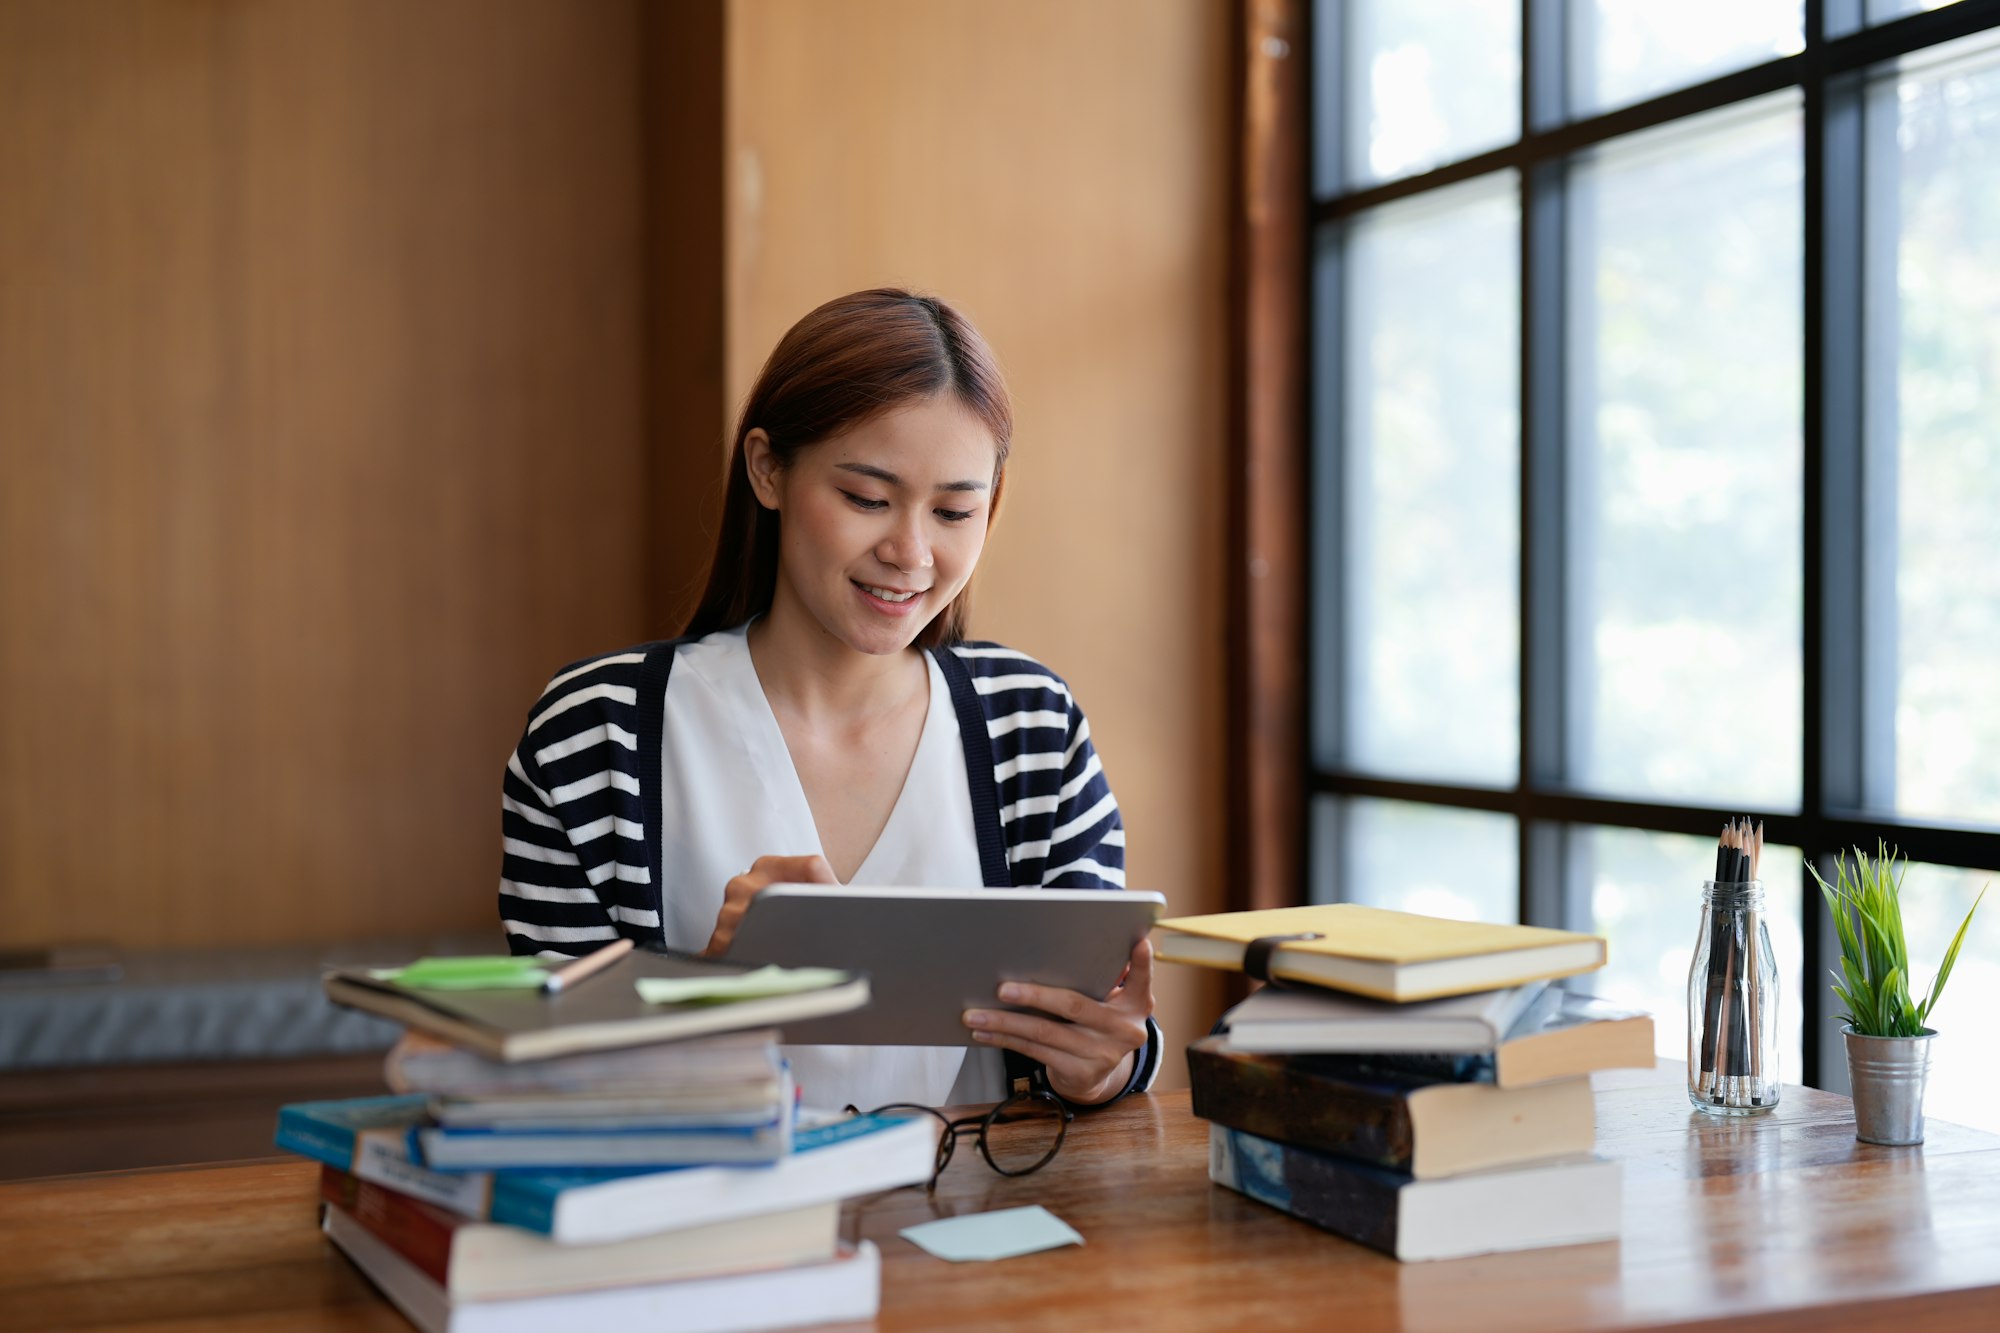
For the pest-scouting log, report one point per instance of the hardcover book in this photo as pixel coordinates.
(474, 1260)
(853, 1155)
(369, 1136)
(420, 1062)
(1568, 1202)
(1310, 1019)
(846, 1288)
(603, 1013)
(1399, 1122)
(1388, 955)
(1563, 1034)
(598, 1142)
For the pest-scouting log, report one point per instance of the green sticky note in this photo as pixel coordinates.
(474, 973)
(744, 986)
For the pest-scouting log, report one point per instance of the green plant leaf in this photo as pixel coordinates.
(1861, 1000)
(1900, 865)
(1874, 934)
(1865, 900)
(1950, 957)
(1882, 923)
(1890, 1003)
(1843, 925)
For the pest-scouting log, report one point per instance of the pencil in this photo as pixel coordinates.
(587, 966)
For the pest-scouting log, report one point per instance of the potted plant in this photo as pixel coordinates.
(1888, 1040)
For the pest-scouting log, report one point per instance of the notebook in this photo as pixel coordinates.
(602, 1013)
(1388, 955)
(1299, 1021)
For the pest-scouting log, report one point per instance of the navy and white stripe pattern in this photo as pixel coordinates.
(579, 814)
(1057, 816)
(577, 864)
(574, 868)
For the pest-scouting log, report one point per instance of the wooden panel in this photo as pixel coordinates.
(686, 431)
(1267, 547)
(1783, 1222)
(1059, 171)
(321, 430)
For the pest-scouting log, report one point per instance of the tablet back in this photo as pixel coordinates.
(931, 954)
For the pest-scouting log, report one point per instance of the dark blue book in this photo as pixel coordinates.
(1572, 1201)
(483, 1148)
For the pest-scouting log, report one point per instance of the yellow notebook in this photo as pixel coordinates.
(1373, 951)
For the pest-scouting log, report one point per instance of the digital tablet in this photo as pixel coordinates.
(931, 954)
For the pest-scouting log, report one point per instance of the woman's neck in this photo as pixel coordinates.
(813, 675)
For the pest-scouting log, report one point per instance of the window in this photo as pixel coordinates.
(1623, 51)
(1656, 360)
(1933, 311)
(1683, 459)
(1429, 520)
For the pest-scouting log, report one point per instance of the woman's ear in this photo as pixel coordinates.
(761, 462)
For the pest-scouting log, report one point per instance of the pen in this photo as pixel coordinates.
(587, 966)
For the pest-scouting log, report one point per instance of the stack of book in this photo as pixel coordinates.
(660, 1185)
(1411, 1083)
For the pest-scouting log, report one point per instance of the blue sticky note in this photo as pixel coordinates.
(1001, 1235)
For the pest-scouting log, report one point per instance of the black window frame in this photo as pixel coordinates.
(1839, 578)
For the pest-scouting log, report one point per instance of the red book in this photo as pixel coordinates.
(474, 1260)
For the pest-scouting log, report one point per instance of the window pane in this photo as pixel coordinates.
(1685, 462)
(1964, 1082)
(1645, 899)
(1429, 459)
(1431, 859)
(1881, 11)
(1624, 51)
(1429, 81)
(1934, 348)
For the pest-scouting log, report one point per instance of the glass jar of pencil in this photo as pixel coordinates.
(1733, 987)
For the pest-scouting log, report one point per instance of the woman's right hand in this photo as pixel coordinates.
(767, 870)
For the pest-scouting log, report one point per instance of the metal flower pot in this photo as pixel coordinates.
(1888, 1077)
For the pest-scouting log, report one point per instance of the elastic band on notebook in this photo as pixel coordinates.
(1257, 955)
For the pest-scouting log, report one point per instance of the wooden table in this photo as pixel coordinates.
(1779, 1222)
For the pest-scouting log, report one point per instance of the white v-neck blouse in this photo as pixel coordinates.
(729, 794)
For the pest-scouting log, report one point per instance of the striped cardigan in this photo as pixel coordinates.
(580, 802)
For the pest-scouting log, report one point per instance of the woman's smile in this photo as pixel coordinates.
(889, 601)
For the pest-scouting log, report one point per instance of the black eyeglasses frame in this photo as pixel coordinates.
(948, 1140)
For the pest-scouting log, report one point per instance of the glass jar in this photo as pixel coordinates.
(1733, 1004)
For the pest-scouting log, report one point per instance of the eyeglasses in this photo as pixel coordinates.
(1021, 1135)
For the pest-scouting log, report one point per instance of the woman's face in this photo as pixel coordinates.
(884, 523)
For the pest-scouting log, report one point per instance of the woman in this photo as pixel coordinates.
(821, 718)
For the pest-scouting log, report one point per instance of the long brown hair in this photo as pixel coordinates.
(854, 358)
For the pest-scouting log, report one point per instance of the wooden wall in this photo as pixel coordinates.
(1059, 168)
(320, 420)
(361, 361)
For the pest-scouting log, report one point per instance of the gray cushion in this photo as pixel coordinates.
(209, 1004)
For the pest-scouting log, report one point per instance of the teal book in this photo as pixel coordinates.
(369, 1137)
(837, 1160)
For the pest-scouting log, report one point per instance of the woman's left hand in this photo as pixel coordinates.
(1088, 1057)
